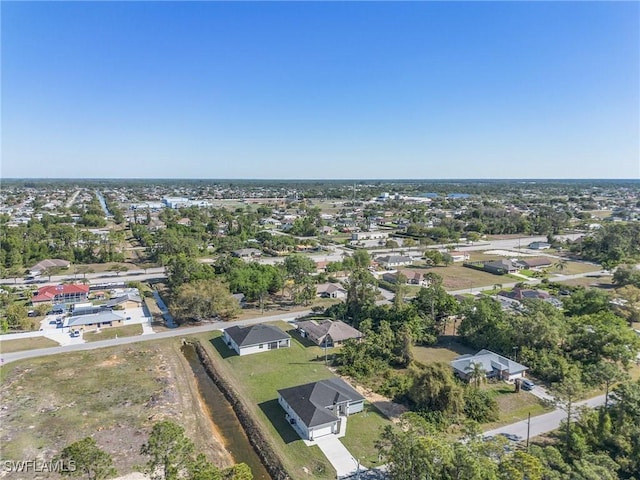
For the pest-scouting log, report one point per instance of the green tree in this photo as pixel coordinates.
(435, 388)
(170, 451)
(85, 458)
(476, 373)
(565, 394)
(204, 299)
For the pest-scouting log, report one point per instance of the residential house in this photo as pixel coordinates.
(93, 321)
(413, 277)
(327, 333)
(494, 366)
(65, 293)
(315, 409)
(393, 261)
(373, 235)
(330, 290)
(247, 253)
(255, 338)
(458, 256)
(539, 245)
(536, 262)
(128, 300)
(500, 267)
(519, 294)
(40, 267)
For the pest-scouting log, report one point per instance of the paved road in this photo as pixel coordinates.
(542, 423)
(177, 332)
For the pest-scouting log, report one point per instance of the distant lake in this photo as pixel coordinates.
(451, 195)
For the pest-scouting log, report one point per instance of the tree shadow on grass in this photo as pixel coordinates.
(223, 350)
(275, 414)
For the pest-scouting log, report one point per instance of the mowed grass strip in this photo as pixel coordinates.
(258, 377)
(20, 344)
(113, 332)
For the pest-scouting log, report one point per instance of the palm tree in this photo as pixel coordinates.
(476, 373)
(561, 264)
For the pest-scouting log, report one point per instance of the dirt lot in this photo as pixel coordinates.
(114, 395)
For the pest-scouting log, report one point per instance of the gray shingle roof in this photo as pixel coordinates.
(102, 317)
(311, 401)
(337, 330)
(489, 360)
(255, 334)
(129, 297)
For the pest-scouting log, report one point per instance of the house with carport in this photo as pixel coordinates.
(319, 408)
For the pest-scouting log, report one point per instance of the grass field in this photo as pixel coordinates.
(258, 377)
(112, 394)
(109, 333)
(10, 346)
(457, 277)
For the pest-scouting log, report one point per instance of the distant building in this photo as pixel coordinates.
(40, 267)
(65, 293)
(392, 261)
(539, 245)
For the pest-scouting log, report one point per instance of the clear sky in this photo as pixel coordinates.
(321, 90)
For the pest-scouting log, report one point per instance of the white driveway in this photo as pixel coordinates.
(338, 455)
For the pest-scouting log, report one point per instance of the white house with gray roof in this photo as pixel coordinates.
(315, 409)
(94, 321)
(494, 366)
(255, 338)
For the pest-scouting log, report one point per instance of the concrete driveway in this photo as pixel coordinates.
(338, 455)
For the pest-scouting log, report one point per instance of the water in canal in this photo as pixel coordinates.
(223, 416)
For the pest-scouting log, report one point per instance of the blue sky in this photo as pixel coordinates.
(321, 90)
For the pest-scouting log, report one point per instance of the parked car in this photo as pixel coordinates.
(527, 384)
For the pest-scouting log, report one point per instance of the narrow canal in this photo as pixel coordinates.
(103, 203)
(223, 416)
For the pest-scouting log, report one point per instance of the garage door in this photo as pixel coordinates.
(321, 431)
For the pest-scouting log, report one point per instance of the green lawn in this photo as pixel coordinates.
(513, 406)
(457, 277)
(258, 377)
(10, 346)
(113, 332)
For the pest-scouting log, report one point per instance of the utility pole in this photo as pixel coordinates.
(528, 430)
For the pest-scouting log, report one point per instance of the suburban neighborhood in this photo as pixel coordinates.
(332, 319)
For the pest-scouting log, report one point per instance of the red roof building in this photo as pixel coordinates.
(66, 293)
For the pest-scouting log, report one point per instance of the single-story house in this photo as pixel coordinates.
(500, 267)
(539, 245)
(129, 300)
(392, 261)
(95, 320)
(330, 290)
(494, 366)
(42, 265)
(246, 253)
(413, 277)
(327, 333)
(65, 293)
(374, 235)
(255, 338)
(458, 256)
(314, 409)
(536, 262)
(519, 294)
